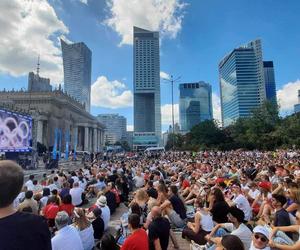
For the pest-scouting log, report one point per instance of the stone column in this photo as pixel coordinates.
(74, 137)
(95, 140)
(39, 134)
(98, 140)
(86, 138)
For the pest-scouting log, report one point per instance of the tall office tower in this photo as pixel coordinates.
(38, 84)
(146, 67)
(77, 61)
(270, 81)
(242, 82)
(115, 127)
(195, 104)
(297, 106)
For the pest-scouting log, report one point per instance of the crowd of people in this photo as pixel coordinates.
(235, 200)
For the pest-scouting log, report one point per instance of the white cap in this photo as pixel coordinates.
(261, 230)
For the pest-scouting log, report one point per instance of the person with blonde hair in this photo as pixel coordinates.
(84, 228)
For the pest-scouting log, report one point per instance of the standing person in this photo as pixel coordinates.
(158, 231)
(17, 229)
(67, 237)
(138, 240)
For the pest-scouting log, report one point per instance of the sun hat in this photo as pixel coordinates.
(101, 201)
(261, 230)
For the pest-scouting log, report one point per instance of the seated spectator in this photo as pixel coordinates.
(67, 205)
(85, 228)
(102, 204)
(260, 239)
(289, 244)
(44, 199)
(138, 179)
(65, 189)
(97, 223)
(76, 193)
(158, 230)
(29, 202)
(218, 206)
(231, 242)
(174, 208)
(281, 215)
(235, 227)
(110, 198)
(108, 242)
(202, 225)
(50, 210)
(138, 240)
(67, 237)
(17, 229)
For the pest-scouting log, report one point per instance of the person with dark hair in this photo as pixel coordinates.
(108, 242)
(17, 229)
(138, 240)
(44, 199)
(97, 223)
(51, 210)
(231, 242)
(65, 189)
(29, 183)
(218, 206)
(158, 230)
(29, 202)
(67, 205)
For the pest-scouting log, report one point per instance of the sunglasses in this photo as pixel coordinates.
(262, 238)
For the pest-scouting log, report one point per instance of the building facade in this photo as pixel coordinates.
(242, 83)
(38, 84)
(115, 127)
(146, 69)
(270, 84)
(57, 111)
(297, 106)
(77, 62)
(195, 104)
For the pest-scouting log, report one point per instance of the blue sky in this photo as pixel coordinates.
(195, 36)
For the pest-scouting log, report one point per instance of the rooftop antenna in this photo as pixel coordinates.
(38, 65)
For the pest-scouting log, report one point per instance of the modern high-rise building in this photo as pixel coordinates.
(195, 104)
(115, 127)
(242, 82)
(38, 84)
(146, 68)
(77, 61)
(270, 81)
(297, 106)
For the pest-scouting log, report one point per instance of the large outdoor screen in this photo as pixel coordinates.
(15, 132)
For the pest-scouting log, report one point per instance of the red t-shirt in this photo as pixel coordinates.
(185, 184)
(50, 211)
(69, 208)
(137, 241)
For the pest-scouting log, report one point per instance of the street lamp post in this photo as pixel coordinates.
(172, 81)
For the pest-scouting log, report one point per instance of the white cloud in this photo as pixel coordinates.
(30, 28)
(84, 1)
(287, 96)
(110, 94)
(129, 128)
(216, 103)
(157, 15)
(164, 75)
(166, 114)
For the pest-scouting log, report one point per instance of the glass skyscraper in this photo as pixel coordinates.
(242, 83)
(146, 68)
(195, 104)
(77, 61)
(270, 81)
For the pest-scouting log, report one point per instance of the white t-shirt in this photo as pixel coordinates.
(105, 216)
(139, 181)
(67, 238)
(254, 194)
(29, 185)
(252, 247)
(243, 232)
(243, 204)
(76, 195)
(87, 237)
